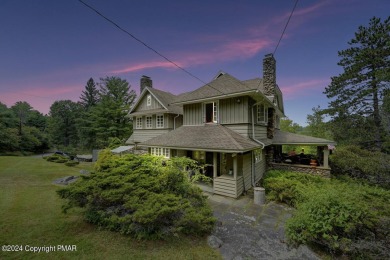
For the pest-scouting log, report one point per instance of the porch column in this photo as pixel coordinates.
(326, 157)
(235, 166)
(215, 165)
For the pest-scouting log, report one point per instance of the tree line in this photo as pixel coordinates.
(98, 118)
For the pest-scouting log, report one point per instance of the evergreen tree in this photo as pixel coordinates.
(90, 96)
(357, 92)
(109, 116)
(62, 126)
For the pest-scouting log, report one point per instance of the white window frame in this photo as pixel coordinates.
(262, 113)
(159, 124)
(149, 122)
(149, 100)
(160, 151)
(215, 112)
(138, 123)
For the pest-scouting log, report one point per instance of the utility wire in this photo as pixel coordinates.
(146, 45)
(285, 27)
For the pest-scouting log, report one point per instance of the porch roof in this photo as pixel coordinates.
(208, 137)
(281, 137)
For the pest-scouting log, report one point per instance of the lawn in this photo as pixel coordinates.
(30, 216)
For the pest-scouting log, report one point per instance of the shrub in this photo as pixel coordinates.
(359, 163)
(71, 163)
(343, 216)
(56, 158)
(142, 196)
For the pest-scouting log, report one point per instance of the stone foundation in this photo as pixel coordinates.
(319, 171)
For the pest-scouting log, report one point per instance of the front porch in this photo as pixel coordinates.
(231, 173)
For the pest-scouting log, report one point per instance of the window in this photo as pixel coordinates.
(148, 122)
(148, 100)
(160, 121)
(211, 110)
(138, 123)
(258, 155)
(262, 114)
(158, 151)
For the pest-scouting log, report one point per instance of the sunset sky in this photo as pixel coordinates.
(50, 48)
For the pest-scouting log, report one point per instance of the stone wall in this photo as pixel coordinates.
(145, 82)
(320, 171)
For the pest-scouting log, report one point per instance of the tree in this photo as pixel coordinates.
(90, 96)
(109, 115)
(316, 125)
(288, 125)
(62, 123)
(22, 111)
(359, 89)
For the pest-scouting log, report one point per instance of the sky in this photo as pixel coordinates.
(50, 48)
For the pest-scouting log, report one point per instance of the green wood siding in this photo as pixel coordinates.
(260, 168)
(228, 186)
(193, 114)
(234, 110)
(142, 105)
(247, 170)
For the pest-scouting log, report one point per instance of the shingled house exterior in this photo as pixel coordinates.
(230, 125)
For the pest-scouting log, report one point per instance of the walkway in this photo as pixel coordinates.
(249, 231)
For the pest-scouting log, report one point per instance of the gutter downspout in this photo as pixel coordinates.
(174, 121)
(257, 141)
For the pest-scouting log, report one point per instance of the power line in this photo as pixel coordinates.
(285, 27)
(146, 45)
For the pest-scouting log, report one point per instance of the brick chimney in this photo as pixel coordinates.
(145, 82)
(269, 74)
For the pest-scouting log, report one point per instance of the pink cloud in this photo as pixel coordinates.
(305, 88)
(146, 65)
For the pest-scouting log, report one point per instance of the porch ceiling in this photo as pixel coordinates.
(281, 137)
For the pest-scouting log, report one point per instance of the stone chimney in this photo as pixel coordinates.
(145, 82)
(269, 83)
(269, 74)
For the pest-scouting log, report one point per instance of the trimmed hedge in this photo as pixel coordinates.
(142, 196)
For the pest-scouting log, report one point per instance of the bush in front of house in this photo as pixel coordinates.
(142, 196)
(363, 164)
(56, 158)
(341, 216)
(71, 163)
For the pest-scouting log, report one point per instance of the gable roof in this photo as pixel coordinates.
(281, 137)
(222, 85)
(163, 97)
(208, 137)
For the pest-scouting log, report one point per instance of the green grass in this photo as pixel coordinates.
(30, 214)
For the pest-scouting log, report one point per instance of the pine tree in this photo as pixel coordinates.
(358, 91)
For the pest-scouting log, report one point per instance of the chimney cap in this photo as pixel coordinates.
(269, 55)
(144, 76)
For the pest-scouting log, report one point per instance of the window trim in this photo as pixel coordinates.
(148, 100)
(215, 112)
(160, 151)
(258, 155)
(146, 122)
(157, 121)
(138, 122)
(263, 112)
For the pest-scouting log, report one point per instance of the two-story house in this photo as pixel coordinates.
(227, 124)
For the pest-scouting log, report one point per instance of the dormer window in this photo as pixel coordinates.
(262, 114)
(149, 100)
(211, 110)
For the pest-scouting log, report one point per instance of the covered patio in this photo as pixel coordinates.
(298, 160)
